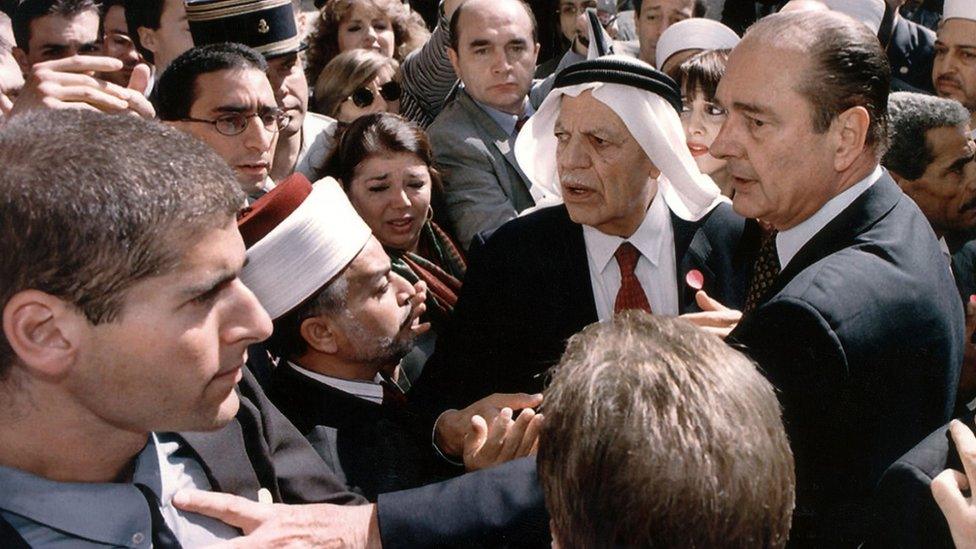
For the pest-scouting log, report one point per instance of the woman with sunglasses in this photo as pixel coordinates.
(357, 83)
(384, 163)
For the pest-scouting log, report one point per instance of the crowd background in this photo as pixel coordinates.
(591, 273)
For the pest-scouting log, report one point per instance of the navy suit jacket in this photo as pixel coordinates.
(905, 513)
(528, 289)
(911, 53)
(863, 338)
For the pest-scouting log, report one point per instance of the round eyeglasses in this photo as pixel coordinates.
(364, 97)
(235, 123)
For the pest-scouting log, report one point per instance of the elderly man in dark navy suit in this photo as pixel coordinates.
(637, 218)
(851, 311)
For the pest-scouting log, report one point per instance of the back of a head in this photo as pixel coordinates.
(659, 435)
(176, 89)
(29, 10)
(143, 13)
(848, 68)
(84, 219)
(910, 117)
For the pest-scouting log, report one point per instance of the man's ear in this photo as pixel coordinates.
(319, 333)
(147, 37)
(852, 128)
(452, 54)
(21, 57)
(44, 332)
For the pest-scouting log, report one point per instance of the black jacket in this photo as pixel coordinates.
(862, 336)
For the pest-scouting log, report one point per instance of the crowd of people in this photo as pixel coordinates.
(587, 273)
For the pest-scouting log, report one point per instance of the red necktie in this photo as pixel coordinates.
(631, 294)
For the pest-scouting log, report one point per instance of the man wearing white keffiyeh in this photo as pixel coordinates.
(638, 220)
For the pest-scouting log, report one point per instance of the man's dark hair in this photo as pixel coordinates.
(910, 117)
(660, 435)
(848, 68)
(456, 16)
(697, 11)
(85, 219)
(176, 89)
(143, 13)
(29, 10)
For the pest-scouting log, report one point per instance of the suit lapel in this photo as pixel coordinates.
(223, 458)
(574, 266)
(495, 134)
(840, 233)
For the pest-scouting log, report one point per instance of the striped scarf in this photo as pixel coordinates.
(439, 263)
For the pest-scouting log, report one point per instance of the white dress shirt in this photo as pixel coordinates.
(655, 270)
(789, 242)
(366, 390)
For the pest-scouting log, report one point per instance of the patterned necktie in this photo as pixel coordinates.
(162, 536)
(631, 295)
(519, 123)
(764, 271)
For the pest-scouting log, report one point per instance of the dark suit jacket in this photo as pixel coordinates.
(371, 448)
(862, 336)
(905, 513)
(911, 53)
(527, 290)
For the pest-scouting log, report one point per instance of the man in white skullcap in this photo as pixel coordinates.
(686, 38)
(342, 323)
(954, 70)
(639, 220)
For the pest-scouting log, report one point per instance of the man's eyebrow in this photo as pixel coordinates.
(960, 162)
(222, 278)
(232, 108)
(478, 42)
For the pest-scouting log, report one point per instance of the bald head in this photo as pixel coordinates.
(479, 12)
(803, 5)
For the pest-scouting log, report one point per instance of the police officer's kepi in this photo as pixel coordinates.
(267, 26)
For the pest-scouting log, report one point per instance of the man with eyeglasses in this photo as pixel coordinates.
(221, 95)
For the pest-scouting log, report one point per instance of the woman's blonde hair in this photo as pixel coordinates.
(409, 32)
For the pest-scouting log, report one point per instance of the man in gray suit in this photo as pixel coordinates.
(494, 50)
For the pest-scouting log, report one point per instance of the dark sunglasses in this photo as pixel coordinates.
(364, 97)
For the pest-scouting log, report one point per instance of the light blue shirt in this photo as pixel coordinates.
(505, 120)
(95, 515)
(789, 242)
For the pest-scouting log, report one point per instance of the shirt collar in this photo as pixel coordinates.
(505, 120)
(366, 390)
(108, 513)
(647, 238)
(789, 242)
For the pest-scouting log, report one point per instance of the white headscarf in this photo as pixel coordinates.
(651, 120)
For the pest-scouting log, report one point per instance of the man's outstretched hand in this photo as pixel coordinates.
(715, 318)
(69, 84)
(280, 525)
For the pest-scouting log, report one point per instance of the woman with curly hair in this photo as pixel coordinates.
(385, 26)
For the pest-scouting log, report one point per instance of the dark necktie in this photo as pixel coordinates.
(519, 123)
(631, 294)
(162, 536)
(392, 395)
(764, 271)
